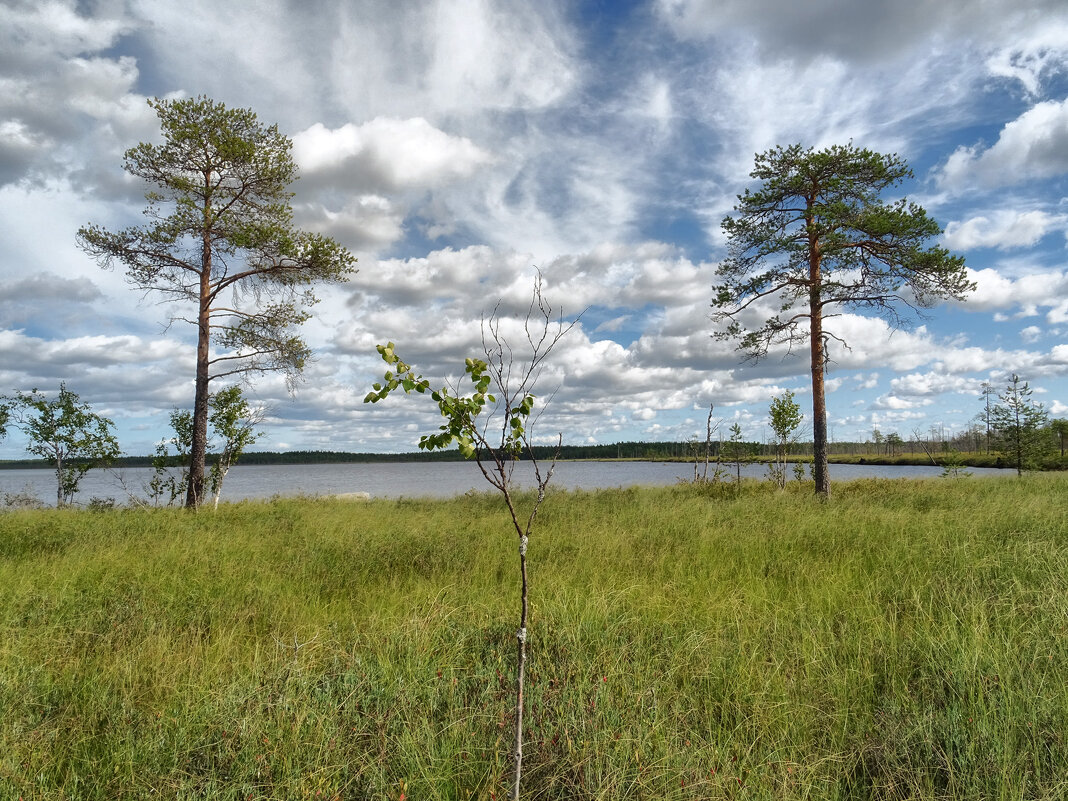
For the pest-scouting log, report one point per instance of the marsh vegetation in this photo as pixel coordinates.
(906, 640)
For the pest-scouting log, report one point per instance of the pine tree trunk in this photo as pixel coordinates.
(199, 445)
(820, 471)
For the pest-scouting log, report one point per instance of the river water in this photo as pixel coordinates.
(414, 479)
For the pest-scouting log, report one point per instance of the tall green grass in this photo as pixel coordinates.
(905, 640)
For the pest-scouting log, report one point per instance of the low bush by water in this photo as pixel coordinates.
(906, 640)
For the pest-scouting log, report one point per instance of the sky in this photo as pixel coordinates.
(459, 147)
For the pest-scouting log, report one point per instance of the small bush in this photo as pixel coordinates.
(23, 499)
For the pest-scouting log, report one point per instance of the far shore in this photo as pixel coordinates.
(911, 459)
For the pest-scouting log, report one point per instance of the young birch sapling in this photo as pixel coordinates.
(233, 422)
(785, 416)
(66, 432)
(493, 425)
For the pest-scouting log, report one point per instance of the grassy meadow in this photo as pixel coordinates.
(906, 640)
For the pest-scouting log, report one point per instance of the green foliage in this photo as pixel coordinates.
(233, 421)
(221, 209)
(869, 250)
(220, 239)
(460, 412)
(65, 432)
(953, 465)
(1059, 428)
(785, 417)
(1018, 424)
(734, 450)
(171, 472)
(233, 424)
(905, 641)
(893, 442)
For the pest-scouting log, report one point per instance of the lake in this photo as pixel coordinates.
(416, 479)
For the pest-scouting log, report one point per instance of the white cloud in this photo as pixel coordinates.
(367, 58)
(1033, 146)
(459, 278)
(897, 403)
(1031, 334)
(1035, 57)
(385, 154)
(1059, 313)
(613, 325)
(516, 134)
(363, 223)
(65, 108)
(865, 32)
(507, 55)
(43, 28)
(926, 385)
(1029, 291)
(1004, 230)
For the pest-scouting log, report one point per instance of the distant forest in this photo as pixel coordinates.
(971, 441)
(620, 450)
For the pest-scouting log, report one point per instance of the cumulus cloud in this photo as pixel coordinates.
(448, 275)
(1031, 334)
(1059, 313)
(1004, 230)
(361, 182)
(59, 92)
(1033, 146)
(53, 26)
(1026, 292)
(362, 223)
(385, 155)
(897, 403)
(122, 376)
(52, 287)
(866, 381)
(88, 351)
(68, 301)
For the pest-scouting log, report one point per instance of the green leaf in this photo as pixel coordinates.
(466, 448)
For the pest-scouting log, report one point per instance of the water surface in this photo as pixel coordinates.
(416, 479)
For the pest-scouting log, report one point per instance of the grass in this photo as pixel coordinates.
(906, 640)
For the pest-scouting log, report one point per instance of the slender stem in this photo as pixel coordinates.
(521, 653)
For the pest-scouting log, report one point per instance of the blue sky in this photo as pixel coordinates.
(455, 145)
